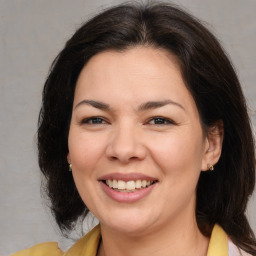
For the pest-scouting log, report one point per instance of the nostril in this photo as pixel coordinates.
(113, 158)
(133, 157)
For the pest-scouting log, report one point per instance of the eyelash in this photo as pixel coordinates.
(93, 120)
(160, 121)
(157, 121)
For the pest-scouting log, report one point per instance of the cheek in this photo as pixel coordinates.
(180, 151)
(179, 159)
(85, 151)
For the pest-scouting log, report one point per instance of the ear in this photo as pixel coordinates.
(213, 145)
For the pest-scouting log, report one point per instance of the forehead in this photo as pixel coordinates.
(134, 63)
(137, 74)
(137, 60)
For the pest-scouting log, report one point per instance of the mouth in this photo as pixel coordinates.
(129, 186)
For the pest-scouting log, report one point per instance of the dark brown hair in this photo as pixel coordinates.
(222, 195)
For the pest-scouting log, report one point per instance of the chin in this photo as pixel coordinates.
(130, 224)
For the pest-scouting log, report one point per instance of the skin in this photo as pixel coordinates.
(129, 139)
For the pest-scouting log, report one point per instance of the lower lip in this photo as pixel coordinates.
(125, 197)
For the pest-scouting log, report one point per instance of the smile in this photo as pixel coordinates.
(128, 186)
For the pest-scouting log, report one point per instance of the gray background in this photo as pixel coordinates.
(32, 33)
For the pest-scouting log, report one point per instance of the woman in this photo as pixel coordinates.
(145, 110)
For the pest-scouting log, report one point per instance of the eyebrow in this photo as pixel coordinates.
(158, 104)
(143, 107)
(95, 104)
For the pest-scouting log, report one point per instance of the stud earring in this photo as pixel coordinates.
(211, 167)
(70, 167)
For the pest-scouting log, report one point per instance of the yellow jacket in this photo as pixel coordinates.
(87, 246)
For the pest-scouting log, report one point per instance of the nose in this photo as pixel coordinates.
(126, 145)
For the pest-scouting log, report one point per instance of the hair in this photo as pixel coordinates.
(222, 195)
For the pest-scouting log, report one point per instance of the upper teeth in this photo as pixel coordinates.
(130, 185)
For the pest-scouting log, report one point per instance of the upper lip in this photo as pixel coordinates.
(126, 177)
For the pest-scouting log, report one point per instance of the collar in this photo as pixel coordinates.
(88, 245)
(218, 245)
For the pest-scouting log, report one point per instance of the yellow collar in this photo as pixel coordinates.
(218, 245)
(88, 245)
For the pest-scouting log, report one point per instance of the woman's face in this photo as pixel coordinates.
(135, 142)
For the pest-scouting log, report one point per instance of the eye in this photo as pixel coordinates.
(94, 120)
(160, 121)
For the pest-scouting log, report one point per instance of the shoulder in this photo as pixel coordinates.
(49, 249)
(85, 246)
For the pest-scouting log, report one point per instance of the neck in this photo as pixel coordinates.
(174, 239)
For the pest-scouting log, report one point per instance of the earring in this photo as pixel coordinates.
(70, 167)
(211, 167)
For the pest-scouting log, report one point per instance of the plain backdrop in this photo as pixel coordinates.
(32, 33)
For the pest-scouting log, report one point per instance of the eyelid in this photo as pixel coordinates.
(169, 121)
(87, 119)
(165, 121)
